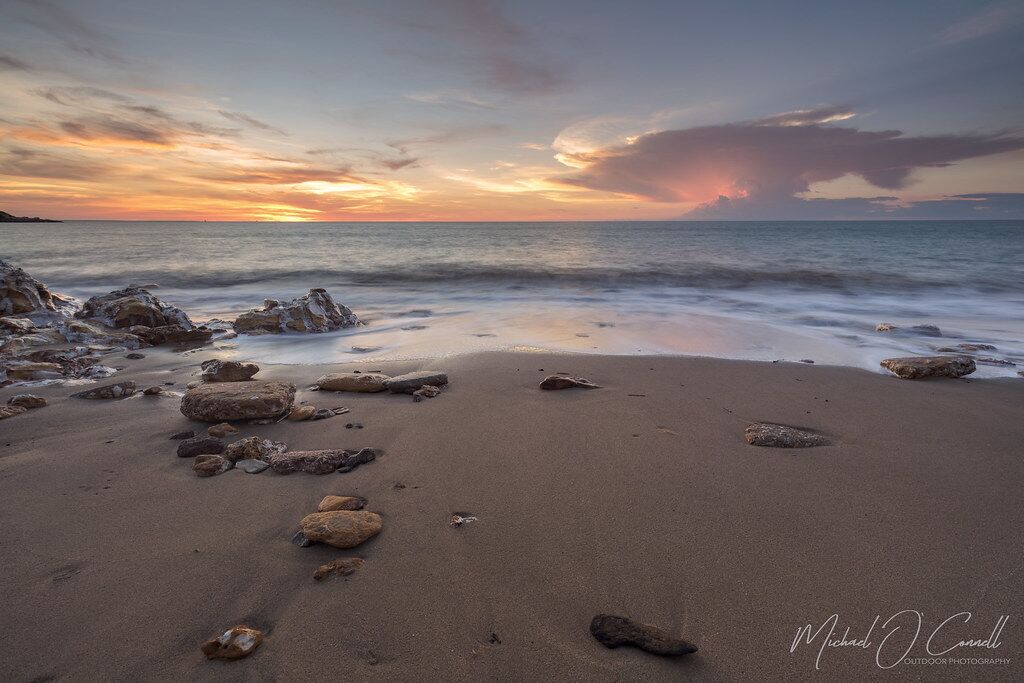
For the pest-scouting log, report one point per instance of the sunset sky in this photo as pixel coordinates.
(480, 110)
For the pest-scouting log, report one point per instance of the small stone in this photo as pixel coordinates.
(28, 401)
(555, 382)
(186, 434)
(612, 631)
(216, 370)
(362, 382)
(135, 356)
(426, 391)
(782, 436)
(250, 466)
(254, 448)
(222, 430)
(210, 465)
(930, 366)
(342, 567)
(235, 643)
(341, 528)
(300, 413)
(330, 503)
(200, 445)
(11, 411)
(108, 391)
(408, 383)
(152, 391)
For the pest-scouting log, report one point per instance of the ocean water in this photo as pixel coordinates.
(751, 290)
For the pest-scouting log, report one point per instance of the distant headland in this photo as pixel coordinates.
(8, 218)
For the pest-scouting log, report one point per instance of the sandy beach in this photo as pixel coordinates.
(640, 498)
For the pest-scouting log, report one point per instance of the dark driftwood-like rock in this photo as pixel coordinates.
(612, 631)
(930, 366)
(555, 382)
(783, 436)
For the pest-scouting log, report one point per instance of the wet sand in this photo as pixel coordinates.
(119, 561)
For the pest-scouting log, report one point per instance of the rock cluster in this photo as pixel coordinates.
(313, 312)
(919, 367)
(614, 631)
(783, 436)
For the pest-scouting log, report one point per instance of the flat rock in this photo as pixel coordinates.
(782, 436)
(26, 372)
(313, 312)
(555, 382)
(227, 401)
(409, 383)
(341, 528)
(11, 411)
(311, 462)
(200, 445)
(252, 466)
(341, 567)
(360, 382)
(27, 401)
(221, 430)
(613, 631)
(331, 503)
(210, 465)
(254, 448)
(108, 391)
(930, 366)
(235, 643)
(216, 370)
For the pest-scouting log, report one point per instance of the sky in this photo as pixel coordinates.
(480, 110)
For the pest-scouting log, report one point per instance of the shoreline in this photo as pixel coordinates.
(640, 498)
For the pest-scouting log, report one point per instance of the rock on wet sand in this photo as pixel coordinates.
(614, 631)
(919, 367)
(331, 503)
(341, 567)
(341, 528)
(235, 643)
(783, 436)
(555, 382)
(362, 382)
(108, 391)
(216, 370)
(227, 401)
(410, 382)
(200, 445)
(210, 465)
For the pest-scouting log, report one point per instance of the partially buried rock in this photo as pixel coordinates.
(200, 445)
(930, 366)
(108, 391)
(252, 466)
(217, 370)
(362, 382)
(323, 414)
(300, 413)
(210, 465)
(341, 567)
(423, 392)
(341, 528)
(314, 312)
(254, 448)
(153, 391)
(226, 401)
(782, 436)
(613, 631)
(330, 503)
(354, 460)
(311, 462)
(409, 383)
(27, 401)
(185, 434)
(555, 382)
(221, 430)
(11, 411)
(235, 643)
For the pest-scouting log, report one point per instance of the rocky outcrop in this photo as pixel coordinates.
(331, 503)
(923, 330)
(22, 294)
(216, 370)
(409, 383)
(254, 448)
(919, 367)
(361, 382)
(228, 401)
(235, 643)
(341, 528)
(613, 631)
(313, 312)
(8, 218)
(108, 391)
(783, 436)
(341, 567)
(555, 382)
(132, 306)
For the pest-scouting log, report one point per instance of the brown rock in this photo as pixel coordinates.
(612, 631)
(341, 528)
(28, 401)
(331, 503)
(930, 366)
(362, 382)
(222, 430)
(24, 372)
(108, 391)
(16, 325)
(254, 448)
(426, 391)
(216, 370)
(782, 436)
(153, 391)
(235, 643)
(555, 382)
(312, 462)
(226, 401)
(410, 382)
(342, 567)
(11, 411)
(300, 413)
(210, 465)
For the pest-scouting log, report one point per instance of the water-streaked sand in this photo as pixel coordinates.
(119, 562)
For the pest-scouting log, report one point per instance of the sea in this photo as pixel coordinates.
(786, 291)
